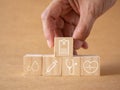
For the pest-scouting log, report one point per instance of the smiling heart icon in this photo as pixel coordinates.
(90, 66)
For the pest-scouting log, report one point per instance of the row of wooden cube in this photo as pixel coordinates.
(48, 65)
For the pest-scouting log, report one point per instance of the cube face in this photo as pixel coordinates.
(63, 46)
(32, 64)
(71, 66)
(90, 65)
(51, 65)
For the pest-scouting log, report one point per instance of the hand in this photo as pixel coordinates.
(72, 18)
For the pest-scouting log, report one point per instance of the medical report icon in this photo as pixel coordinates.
(63, 47)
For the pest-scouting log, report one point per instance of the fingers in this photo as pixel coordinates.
(75, 52)
(85, 45)
(60, 25)
(48, 29)
(83, 30)
(78, 44)
(68, 30)
(49, 17)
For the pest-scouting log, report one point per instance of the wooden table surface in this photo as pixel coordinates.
(21, 33)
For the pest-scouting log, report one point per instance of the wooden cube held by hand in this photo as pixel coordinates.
(63, 46)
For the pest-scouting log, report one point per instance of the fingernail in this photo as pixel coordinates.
(78, 44)
(49, 44)
(85, 45)
(76, 34)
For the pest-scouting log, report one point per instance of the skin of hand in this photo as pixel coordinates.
(72, 18)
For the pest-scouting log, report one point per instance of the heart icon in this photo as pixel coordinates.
(90, 66)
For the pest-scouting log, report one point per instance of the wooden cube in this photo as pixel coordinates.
(71, 66)
(63, 46)
(51, 65)
(90, 65)
(32, 64)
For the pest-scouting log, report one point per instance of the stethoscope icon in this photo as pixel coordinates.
(70, 65)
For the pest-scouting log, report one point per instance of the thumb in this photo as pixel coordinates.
(83, 29)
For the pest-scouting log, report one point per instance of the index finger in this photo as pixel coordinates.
(49, 16)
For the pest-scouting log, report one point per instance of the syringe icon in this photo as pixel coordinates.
(54, 63)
